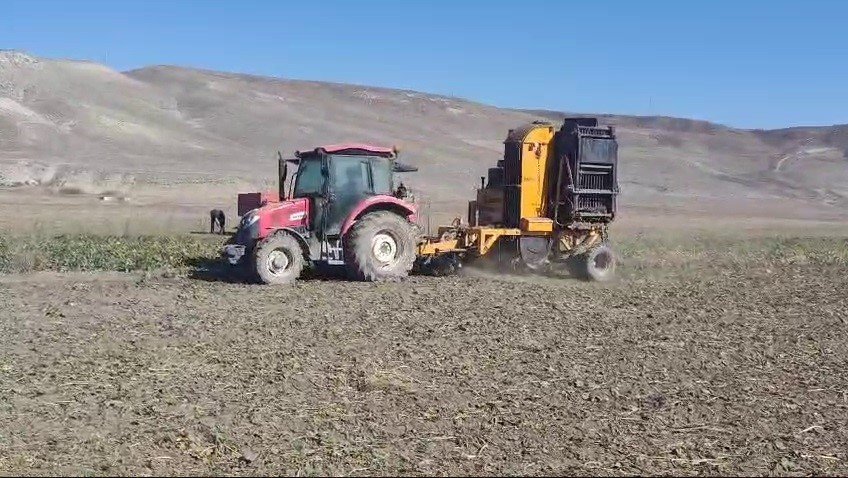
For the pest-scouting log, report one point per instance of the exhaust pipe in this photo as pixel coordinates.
(282, 172)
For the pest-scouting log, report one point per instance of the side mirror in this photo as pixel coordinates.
(282, 172)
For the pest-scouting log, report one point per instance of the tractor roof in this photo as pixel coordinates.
(353, 149)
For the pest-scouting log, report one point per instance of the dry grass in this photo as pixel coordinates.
(641, 254)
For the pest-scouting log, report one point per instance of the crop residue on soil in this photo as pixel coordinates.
(739, 370)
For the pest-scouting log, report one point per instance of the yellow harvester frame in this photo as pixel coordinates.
(533, 144)
(477, 240)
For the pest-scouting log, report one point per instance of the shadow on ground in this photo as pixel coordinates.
(211, 234)
(219, 270)
(215, 270)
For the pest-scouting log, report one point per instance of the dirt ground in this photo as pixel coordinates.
(739, 369)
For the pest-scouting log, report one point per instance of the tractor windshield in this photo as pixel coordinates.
(309, 180)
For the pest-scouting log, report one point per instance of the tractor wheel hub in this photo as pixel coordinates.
(278, 261)
(384, 247)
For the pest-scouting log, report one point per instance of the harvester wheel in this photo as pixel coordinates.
(597, 264)
(380, 247)
(278, 259)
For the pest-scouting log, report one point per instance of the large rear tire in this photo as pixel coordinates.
(380, 247)
(278, 259)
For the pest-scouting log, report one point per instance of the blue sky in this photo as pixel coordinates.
(755, 64)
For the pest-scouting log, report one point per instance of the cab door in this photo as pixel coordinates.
(349, 183)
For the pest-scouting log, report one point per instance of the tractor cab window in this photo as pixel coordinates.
(350, 175)
(357, 175)
(309, 180)
(381, 172)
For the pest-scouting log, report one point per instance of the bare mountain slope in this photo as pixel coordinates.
(175, 124)
(450, 139)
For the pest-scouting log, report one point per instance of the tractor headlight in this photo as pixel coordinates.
(248, 229)
(249, 220)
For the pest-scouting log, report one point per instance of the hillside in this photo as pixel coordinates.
(64, 119)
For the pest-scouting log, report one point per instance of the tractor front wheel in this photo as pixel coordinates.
(380, 247)
(278, 259)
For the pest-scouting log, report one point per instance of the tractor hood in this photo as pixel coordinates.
(264, 220)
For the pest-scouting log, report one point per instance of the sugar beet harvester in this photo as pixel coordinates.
(546, 205)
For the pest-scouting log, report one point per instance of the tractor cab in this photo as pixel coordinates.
(336, 178)
(341, 208)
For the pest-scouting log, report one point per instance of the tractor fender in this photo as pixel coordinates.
(304, 246)
(379, 203)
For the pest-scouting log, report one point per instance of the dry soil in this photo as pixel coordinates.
(739, 369)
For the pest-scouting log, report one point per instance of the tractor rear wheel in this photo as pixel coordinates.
(596, 265)
(380, 247)
(278, 259)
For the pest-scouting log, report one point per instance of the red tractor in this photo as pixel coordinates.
(341, 210)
